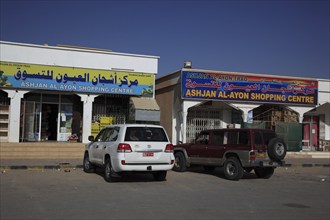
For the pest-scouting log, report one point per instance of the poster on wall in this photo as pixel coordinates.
(32, 76)
(248, 88)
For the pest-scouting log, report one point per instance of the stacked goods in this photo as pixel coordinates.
(105, 121)
(95, 128)
(290, 116)
(276, 116)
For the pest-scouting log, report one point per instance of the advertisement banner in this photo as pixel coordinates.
(32, 76)
(247, 88)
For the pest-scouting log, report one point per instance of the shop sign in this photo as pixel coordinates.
(31, 76)
(244, 87)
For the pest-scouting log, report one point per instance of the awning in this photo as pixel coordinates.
(144, 109)
(319, 110)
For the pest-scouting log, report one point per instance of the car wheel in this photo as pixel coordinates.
(264, 172)
(108, 171)
(209, 168)
(87, 165)
(160, 175)
(233, 169)
(180, 162)
(276, 149)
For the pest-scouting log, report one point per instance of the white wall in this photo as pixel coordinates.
(72, 57)
(324, 91)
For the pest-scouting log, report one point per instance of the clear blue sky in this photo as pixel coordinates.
(288, 38)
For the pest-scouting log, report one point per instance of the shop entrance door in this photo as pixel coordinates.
(49, 121)
(30, 121)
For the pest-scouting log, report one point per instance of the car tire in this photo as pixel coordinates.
(160, 175)
(264, 172)
(233, 169)
(209, 168)
(108, 171)
(276, 149)
(87, 165)
(180, 162)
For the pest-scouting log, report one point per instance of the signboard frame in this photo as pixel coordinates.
(240, 87)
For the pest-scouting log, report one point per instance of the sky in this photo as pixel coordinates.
(285, 38)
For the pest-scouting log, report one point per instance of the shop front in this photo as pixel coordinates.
(74, 98)
(52, 117)
(205, 99)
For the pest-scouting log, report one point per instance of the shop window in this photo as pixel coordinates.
(51, 98)
(114, 107)
(32, 97)
(4, 100)
(66, 99)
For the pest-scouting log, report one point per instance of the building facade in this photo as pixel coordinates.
(65, 93)
(296, 108)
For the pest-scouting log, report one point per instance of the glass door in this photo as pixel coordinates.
(49, 122)
(31, 122)
(66, 116)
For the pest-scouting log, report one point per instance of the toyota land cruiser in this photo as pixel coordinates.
(130, 147)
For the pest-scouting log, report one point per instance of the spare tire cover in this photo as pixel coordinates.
(276, 149)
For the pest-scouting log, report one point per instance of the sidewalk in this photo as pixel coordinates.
(35, 164)
(293, 159)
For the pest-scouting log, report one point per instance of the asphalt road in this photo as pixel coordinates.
(292, 193)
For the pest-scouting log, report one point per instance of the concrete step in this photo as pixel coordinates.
(41, 150)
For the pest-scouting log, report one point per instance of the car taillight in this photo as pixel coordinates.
(252, 155)
(124, 148)
(169, 148)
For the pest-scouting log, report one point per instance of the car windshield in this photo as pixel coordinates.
(145, 134)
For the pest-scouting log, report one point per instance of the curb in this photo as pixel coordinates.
(306, 165)
(43, 167)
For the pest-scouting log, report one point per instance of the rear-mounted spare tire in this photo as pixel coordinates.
(276, 149)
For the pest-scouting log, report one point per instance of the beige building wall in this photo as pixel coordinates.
(165, 96)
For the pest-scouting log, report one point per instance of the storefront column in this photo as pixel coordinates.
(14, 114)
(87, 115)
(245, 108)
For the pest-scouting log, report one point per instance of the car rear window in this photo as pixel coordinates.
(145, 134)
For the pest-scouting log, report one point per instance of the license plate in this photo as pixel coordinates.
(148, 154)
(260, 155)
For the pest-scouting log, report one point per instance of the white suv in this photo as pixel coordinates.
(130, 147)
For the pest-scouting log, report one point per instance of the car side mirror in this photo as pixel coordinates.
(91, 138)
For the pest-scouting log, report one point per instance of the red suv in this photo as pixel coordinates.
(236, 150)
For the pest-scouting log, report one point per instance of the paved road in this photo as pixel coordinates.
(33, 163)
(292, 193)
